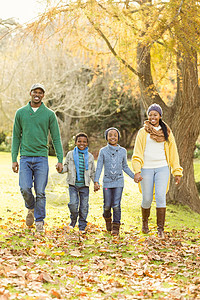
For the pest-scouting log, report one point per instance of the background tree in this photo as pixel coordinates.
(76, 88)
(122, 112)
(134, 31)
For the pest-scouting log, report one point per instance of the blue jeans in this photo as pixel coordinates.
(112, 199)
(78, 205)
(158, 177)
(34, 171)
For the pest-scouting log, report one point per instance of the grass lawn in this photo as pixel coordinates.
(66, 265)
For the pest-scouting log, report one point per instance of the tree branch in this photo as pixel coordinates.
(125, 63)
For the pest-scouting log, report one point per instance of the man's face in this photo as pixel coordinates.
(36, 97)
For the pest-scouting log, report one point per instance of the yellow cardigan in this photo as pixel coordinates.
(171, 153)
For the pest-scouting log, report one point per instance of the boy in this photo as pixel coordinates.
(79, 164)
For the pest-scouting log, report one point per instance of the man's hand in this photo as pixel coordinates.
(59, 167)
(15, 167)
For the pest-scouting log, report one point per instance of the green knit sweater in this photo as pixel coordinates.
(30, 132)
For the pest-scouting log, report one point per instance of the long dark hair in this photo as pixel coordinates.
(164, 129)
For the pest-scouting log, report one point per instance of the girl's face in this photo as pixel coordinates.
(154, 118)
(112, 137)
(81, 142)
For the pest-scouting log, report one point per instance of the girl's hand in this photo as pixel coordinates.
(138, 177)
(96, 186)
(177, 179)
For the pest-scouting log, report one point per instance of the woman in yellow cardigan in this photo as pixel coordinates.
(155, 152)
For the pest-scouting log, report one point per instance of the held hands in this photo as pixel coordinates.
(96, 186)
(15, 167)
(138, 177)
(59, 167)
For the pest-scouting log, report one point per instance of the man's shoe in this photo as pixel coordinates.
(30, 217)
(39, 226)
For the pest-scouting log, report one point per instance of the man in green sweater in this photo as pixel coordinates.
(32, 125)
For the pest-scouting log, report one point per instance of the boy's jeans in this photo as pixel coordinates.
(34, 171)
(112, 199)
(159, 177)
(79, 205)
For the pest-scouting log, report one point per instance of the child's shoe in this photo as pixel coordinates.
(72, 225)
(108, 223)
(115, 228)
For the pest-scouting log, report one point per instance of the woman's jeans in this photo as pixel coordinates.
(112, 199)
(34, 171)
(158, 177)
(78, 205)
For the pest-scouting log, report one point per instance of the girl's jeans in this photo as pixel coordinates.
(34, 171)
(112, 199)
(158, 177)
(78, 205)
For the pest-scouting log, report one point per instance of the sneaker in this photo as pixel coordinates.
(30, 217)
(72, 225)
(82, 231)
(39, 226)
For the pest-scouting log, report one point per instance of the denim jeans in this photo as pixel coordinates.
(158, 177)
(33, 171)
(112, 199)
(78, 205)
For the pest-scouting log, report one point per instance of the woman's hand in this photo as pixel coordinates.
(138, 177)
(177, 179)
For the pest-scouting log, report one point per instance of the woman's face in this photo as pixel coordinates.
(154, 118)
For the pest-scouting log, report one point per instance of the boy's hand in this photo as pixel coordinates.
(138, 177)
(59, 167)
(96, 186)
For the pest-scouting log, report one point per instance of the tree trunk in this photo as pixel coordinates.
(185, 123)
(183, 117)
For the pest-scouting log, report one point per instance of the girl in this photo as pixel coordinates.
(114, 159)
(154, 152)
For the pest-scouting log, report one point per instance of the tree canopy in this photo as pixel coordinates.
(158, 43)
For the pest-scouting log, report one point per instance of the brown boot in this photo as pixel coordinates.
(30, 217)
(115, 228)
(161, 221)
(108, 223)
(145, 217)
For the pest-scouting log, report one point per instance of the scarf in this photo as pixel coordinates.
(76, 159)
(156, 135)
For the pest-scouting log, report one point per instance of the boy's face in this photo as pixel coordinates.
(81, 142)
(112, 137)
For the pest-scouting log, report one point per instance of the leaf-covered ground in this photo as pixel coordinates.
(62, 264)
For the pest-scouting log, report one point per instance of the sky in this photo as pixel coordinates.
(22, 10)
